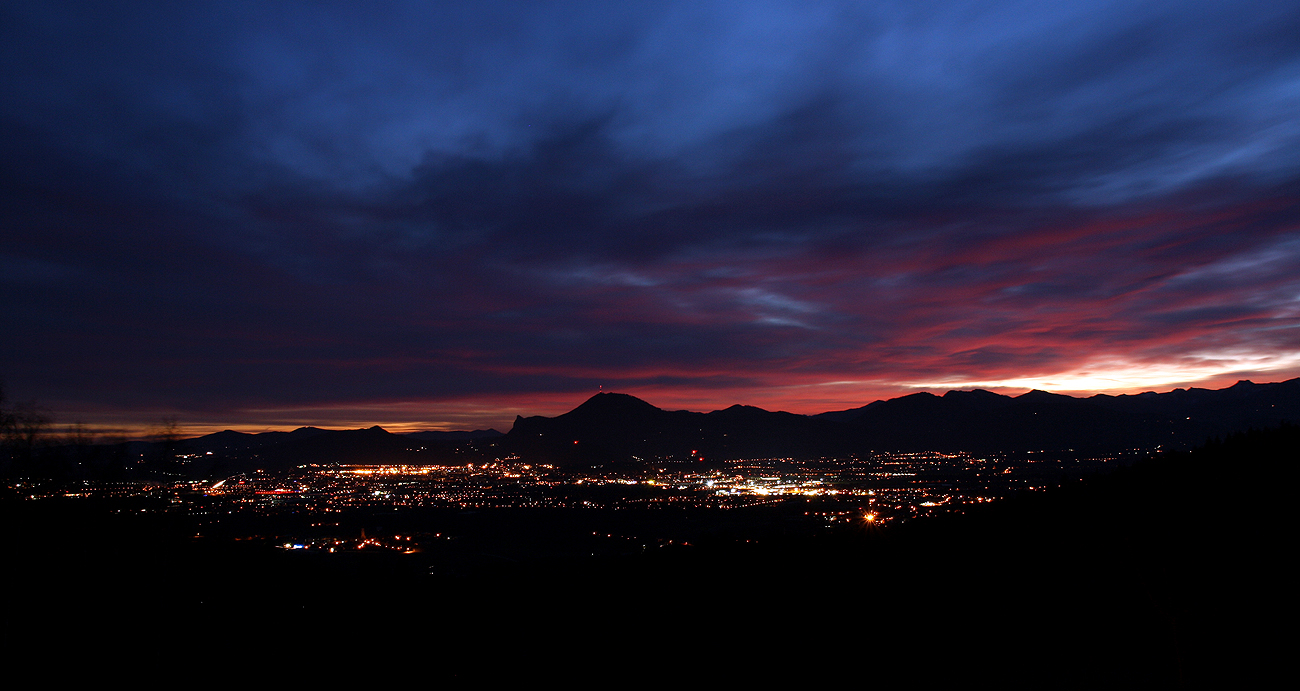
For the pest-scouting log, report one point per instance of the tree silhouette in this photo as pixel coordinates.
(166, 438)
(23, 434)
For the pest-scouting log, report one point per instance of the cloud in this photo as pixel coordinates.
(261, 206)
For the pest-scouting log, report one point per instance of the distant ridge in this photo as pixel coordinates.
(621, 428)
(234, 452)
(613, 427)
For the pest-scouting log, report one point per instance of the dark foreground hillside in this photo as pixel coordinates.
(1161, 575)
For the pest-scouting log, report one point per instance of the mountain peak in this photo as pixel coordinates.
(738, 410)
(1039, 394)
(608, 401)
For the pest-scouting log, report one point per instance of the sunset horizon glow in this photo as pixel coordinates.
(406, 417)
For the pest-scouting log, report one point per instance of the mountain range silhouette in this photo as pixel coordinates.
(621, 428)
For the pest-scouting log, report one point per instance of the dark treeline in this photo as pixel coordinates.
(32, 448)
(25, 443)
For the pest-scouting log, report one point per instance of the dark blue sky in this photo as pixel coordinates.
(443, 214)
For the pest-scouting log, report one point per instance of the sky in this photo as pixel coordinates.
(432, 215)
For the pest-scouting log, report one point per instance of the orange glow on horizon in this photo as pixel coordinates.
(807, 397)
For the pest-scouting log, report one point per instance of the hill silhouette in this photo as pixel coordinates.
(615, 428)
